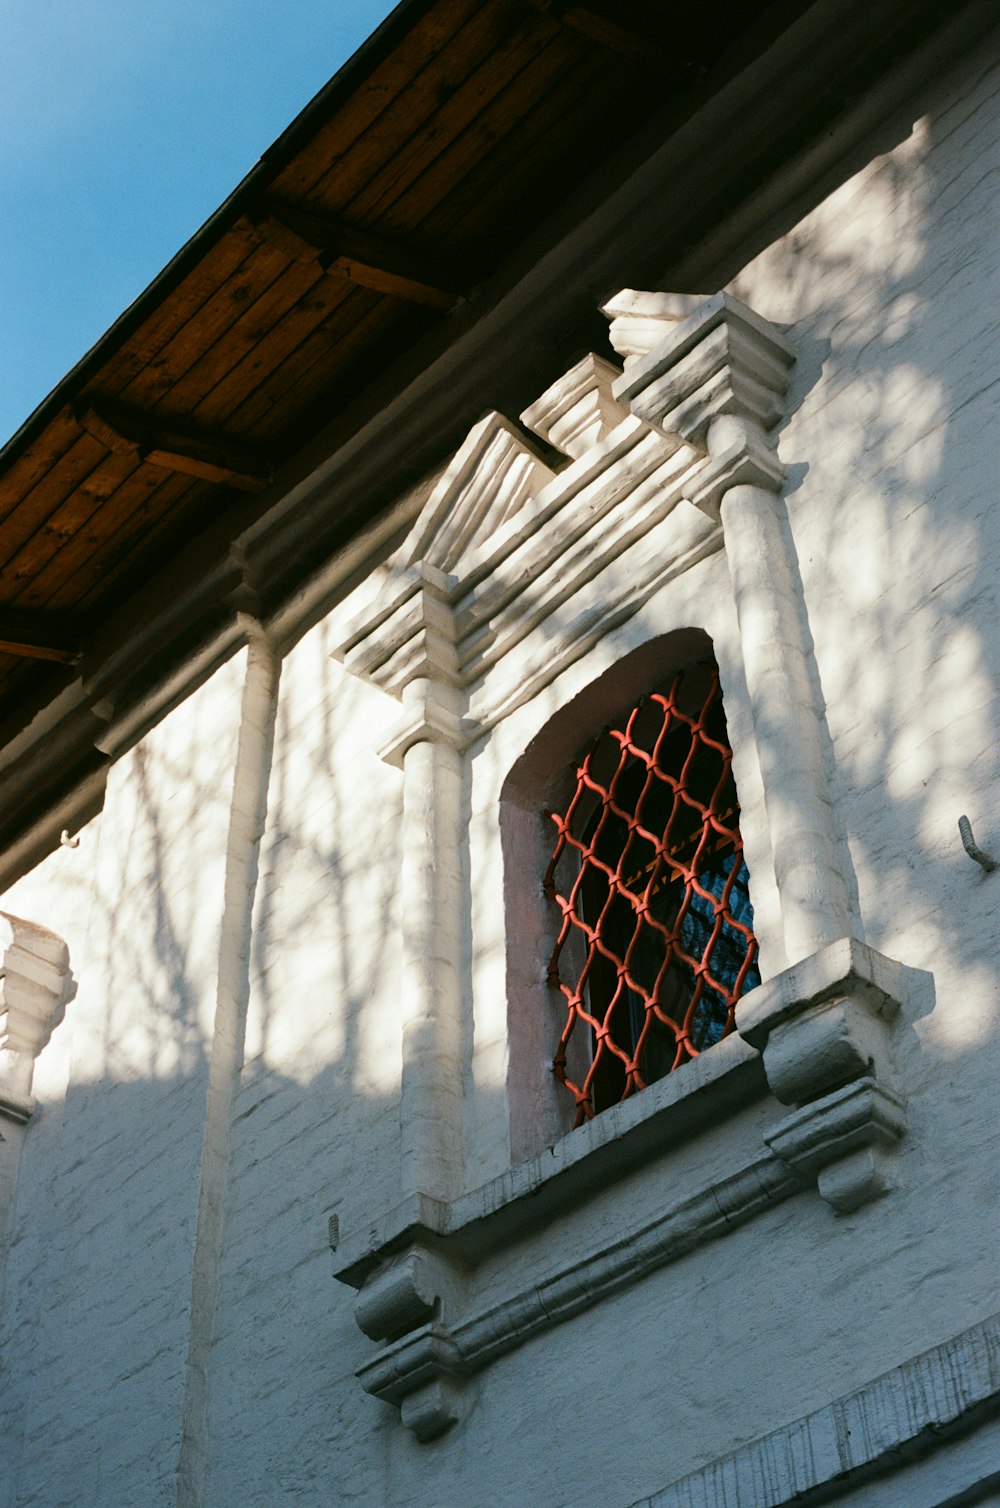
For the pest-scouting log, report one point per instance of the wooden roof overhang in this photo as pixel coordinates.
(429, 238)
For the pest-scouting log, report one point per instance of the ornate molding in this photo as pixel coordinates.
(421, 1371)
(510, 582)
(503, 543)
(721, 358)
(580, 409)
(420, 1272)
(668, 460)
(823, 1028)
(883, 1426)
(36, 985)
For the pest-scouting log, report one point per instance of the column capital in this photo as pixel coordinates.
(716, 358)
(407, 634)
(432, 713)
(36, 984)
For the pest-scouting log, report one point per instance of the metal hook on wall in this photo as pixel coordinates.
(969, 844)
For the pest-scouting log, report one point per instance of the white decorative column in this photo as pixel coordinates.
(35, 987)
(432, 908)
(408, 649)
(719, 380)
(714, 372)
(407, 644)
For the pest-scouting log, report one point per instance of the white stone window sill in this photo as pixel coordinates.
(416, 1267)
(586, 1161)
(447, 1287)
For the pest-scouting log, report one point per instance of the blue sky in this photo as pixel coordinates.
(123, 125)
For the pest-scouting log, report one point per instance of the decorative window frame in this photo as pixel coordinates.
(515, 589)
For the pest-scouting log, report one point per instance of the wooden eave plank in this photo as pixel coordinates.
(467, 214)
(464, 102)
(333, 384)
(500, 116)
(257, 318)
(138, 546)
(354, 254)
(73, 526)
(221, 263)
(36, 463)
(303, 378)
(255, 274)
(70, 582)
(329, 311)
(49, 493)
(413, 127)
(370, 128)
(66, 553)
(388, 82)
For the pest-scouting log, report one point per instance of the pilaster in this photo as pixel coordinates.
(407, 647)
(717, 376)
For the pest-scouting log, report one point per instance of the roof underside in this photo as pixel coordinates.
(408, 190)
(368, 233)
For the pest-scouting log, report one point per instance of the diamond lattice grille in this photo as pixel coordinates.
(656, 941)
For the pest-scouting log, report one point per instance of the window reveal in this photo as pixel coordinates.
(656, 941)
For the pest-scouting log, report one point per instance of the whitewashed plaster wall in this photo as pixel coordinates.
(98, 1275)
(883, 289)
(888, 289)
(316, 1128)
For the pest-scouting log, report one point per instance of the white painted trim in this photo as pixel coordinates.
(874, 1428)
(594, 1156)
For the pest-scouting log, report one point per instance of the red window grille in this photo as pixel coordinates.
(656, 941)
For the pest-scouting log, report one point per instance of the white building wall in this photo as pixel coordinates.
(316, 1128)
(98, 1275)
(889, 290)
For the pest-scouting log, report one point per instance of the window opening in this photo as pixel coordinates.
(656, 941)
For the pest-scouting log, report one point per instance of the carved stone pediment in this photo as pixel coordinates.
(505, 542)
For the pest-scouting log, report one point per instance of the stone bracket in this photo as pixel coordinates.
(405, 1292)
(405, 1303)
(433, 1281)
(840, 1140)
(823, 1028)
(421, 1375)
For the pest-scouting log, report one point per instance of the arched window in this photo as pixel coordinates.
(655, 937)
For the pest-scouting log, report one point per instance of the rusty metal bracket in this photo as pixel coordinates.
(969, 844)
